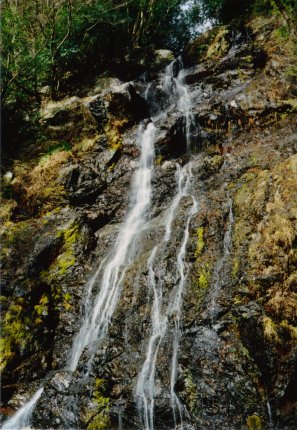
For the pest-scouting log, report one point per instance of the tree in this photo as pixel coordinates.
(43, 39)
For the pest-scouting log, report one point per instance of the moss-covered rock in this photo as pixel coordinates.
(16, 335)
(220, 44)
(254, 422)
(97, 415)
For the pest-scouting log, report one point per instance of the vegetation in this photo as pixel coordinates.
(98, 417)
(50, 43)
(47, 42)
(225, 10)
(200, 242)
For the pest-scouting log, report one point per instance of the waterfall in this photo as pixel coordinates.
(22, 418)
(176, 308)
(269, 412)
(145, 383)
(97, 319)
(145, 388)
(110, 274)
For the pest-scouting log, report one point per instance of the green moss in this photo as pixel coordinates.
(282, 33)
(250, 203)
(67, 297)
(15, 333)
(42, 308)
(66, 302)
(56, 147)
(220, 44)
(85, 145)
(200, 245)
(292, 330)
(13, 233)
(254, 422)
(113, 132)
(217, 161)
(270, 330)
(98, 417)
(6, 208)
(49, 215)
(159, 160)
(66, 259)
(191, 392)
(204, 277)
(60, 268)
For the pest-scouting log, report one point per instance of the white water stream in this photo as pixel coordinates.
(95, 324)
(176, 310)
(22, 418)
(145, 388)
(111, 272)
(269, 412)
(97, 317)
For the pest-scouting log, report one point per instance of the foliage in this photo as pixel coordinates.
(254, 422)
(44, 43)
(53, 43)
(226, 10)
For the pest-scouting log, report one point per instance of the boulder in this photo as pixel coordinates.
(162, 57)
(44, 252)
(124, 102)
(69, 117)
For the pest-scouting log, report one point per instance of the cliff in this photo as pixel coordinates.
(223, 285)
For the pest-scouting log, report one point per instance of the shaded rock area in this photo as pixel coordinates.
(62, 206)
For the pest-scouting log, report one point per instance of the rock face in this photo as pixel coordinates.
(62, 210)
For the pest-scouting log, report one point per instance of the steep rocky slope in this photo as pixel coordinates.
(65, 196)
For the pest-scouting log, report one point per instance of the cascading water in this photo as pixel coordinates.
(145, 389)
(145, 383)
(175, 311)
(111, 272)
(146, 379)
(185, 106)
(97, 319)
(22, 418)
(269, 412)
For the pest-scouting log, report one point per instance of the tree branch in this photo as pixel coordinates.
(109, 10)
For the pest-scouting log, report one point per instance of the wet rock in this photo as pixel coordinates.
(61, 381)
(98, 110)
(238, 323)
(103, 85)
(69, 117)
(59, 113)
(162, 58)
(45, 251)
(124, 103)
(87, 191)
